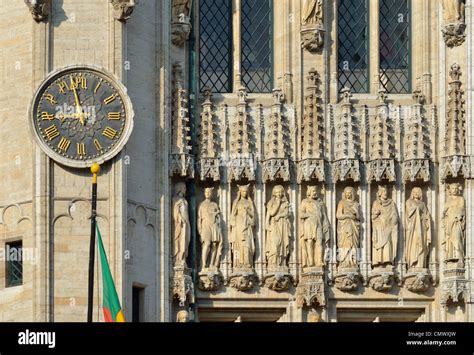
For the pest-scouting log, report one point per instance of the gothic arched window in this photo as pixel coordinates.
(394, 46)
(353, 38)
(215, 45)
(257, 56)
(359, 46)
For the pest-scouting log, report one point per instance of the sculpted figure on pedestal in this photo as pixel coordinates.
(454, 224)
(454, 10)
(209, 228)
(312, 12)
(314, 230)
(182, 316)
(278, 229)
(243, 221)
(417, 231)
(384, 229)
(182, 228)
(181, 10)
(348, 229)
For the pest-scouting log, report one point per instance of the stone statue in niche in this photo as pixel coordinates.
(209, 228)
(312, 12)
(182, 227)
(312, 21)
(181, 10)
(182, 317)
(348, 229)
(454, 22)
(384, 229)
(417, 231)
(277, 245)
(243, 221)
(181, 25)
(454, 224)
(314, 230)
(454, 10)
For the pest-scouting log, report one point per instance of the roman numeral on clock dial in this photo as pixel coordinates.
(109, 132)
(51, 132)
(64, 144)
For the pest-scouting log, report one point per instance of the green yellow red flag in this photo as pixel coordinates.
(110, 300)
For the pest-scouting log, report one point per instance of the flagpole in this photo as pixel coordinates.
(95, 169)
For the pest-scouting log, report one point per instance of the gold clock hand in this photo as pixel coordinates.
(78, 106)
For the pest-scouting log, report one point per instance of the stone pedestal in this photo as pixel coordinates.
(417, 280)
(311, 288)
(210, 280)
(347, 280)
(243, 280)
(182, 285)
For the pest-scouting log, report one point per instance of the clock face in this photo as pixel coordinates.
(81, 115)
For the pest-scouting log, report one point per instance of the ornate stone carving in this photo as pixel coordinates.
(454, 22)
(454, 289)
(381, 280)
(312, 25)
(416, 164)
(208, 143)
(454, 162)
(123, 9)
(311, 169)
(182, 285)
(243, 281)
(39, 9)
(278, 281)
(417, 231)
(278, 227)
(242, 223)
(416, 169)
(277, 164)
(182, 316)
(182, 162)
(311, 289)
(348, 241)
(455, 166)
(454, 225)
(312, 166)
(181, 25)
(381, 164)
(209, 229)
(210, 280)
(210, 232)
(346, 169)
(314, 230)
(347, 281)
(182, 227)
(417, 281)
(384, 216)
(241, 161)
(346, 142)
(278, 241)
(313, 12)
(348, 230)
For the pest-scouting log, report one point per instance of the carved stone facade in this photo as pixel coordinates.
(263, 203)
(182, 161)
(123, 9)
(39, 9)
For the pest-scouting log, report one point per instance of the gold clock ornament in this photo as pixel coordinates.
(81, 115)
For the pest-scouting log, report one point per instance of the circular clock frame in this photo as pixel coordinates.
(110, 152)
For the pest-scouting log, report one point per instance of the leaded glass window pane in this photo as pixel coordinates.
(353, 38)
(395, 46)
(14, 264)
(257, 45)
(215, 45)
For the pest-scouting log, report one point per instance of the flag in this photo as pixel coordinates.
(110, 301)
